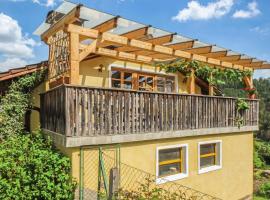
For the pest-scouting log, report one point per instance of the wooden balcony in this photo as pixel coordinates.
(75, 111)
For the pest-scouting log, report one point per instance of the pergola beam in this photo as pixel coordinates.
(71, 17)
(136, 34)
(108, 25)
(199, 50)
(217, 54)
(230, 58)
(181, 45)
(161, 40)
(147, 46)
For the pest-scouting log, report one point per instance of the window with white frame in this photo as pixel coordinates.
(172, 163)
(210, 156)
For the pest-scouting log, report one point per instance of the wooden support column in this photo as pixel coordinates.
(248, 80)
(191, 82)
(74, 58)
(211, 87)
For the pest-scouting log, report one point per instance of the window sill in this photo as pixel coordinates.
(170, 178)
(209, 169)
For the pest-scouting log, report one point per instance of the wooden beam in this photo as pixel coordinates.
(161, 40)
(136, 34)
(191, 82)
(108, 25)
(91, 48)
(254, 64)
(248, 80)
(217, 54)
(211, 87)
(88, 33)
(69, 18)
(243, 61)
(230, 58)
(182, 45)
(124, 55)
(74, 58)
(155, 49)
(263, 66)
(157, 41)
(199, 50)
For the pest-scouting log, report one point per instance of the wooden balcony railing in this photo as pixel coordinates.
(86, 111)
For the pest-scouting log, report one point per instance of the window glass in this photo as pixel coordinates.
(116, 84)
(209, 155)
(127, 76)
(116, 74)
(149, 83)
(145, 82)
(170, 84)
(161, 84)
(127, 85)
(207, 161)
(169, 154)
(170, 169)
(207, 148)
(170, 161)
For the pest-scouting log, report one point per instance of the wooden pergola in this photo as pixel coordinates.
(74, 38)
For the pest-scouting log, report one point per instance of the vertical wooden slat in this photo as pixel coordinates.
(77, 111)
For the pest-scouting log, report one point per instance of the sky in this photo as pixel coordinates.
(239, 25)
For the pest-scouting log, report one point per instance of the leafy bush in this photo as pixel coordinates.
(29, 166)
(261, 153)
(264, 190)
(31, 169)
(148, 190)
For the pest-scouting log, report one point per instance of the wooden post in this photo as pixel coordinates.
(248, 80)
(74, 58)
(191, 82)
(113, 182)
(211, 88)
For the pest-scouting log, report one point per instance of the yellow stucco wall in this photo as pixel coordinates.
(90, 76)
(232, 182)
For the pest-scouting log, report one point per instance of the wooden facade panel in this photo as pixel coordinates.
(84, 111)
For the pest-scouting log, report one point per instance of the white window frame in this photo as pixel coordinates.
(174, 177)
(219, 152)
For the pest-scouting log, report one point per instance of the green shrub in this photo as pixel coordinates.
(264, 190)
(31, 169)
(261, 153)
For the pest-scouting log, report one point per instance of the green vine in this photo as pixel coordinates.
(213, 75)
(15, 103)
(241, 107)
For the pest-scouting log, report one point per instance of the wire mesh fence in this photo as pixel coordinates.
(133, 183)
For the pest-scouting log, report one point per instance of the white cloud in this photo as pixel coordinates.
(47, 3)
(15, 48)
(261, 30)
(252, 11)
(10, 63)
(197, 11)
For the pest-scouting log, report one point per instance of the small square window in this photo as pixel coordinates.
(171, 163)
(209, 156)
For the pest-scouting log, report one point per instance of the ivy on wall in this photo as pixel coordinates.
(15, 103)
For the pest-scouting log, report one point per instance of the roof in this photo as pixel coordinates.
(17, 72)
(91, 18)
